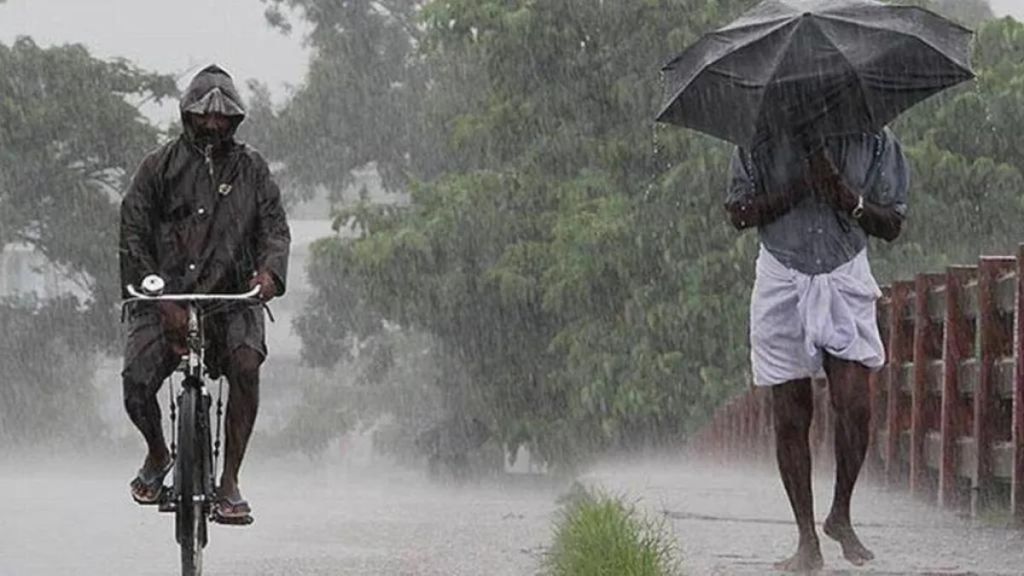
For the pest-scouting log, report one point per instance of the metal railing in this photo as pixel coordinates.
(947, 409)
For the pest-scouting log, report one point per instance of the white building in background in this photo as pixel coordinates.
(24, 272)
(283, 343)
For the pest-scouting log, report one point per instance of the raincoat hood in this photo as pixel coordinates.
(212, 91)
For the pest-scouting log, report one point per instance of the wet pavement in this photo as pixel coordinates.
(316, 520)
(739, 523)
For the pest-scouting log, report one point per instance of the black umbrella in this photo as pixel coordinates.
(820, 67)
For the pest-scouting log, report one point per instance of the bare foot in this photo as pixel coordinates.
(853, 550)
(807, 559)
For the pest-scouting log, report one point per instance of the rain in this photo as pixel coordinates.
(504, 285)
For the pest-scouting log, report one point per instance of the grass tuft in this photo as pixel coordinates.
(598, 535)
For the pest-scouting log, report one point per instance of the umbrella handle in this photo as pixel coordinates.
(811, 143)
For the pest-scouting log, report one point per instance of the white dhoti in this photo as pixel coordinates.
(795, 318)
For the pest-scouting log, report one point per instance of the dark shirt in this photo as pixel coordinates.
(813, 238)
(203, 228)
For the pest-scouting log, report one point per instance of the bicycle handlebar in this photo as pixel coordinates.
(138, 296)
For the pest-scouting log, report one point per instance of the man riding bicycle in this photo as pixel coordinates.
(204, 214)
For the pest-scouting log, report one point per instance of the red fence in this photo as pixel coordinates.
(947, 410)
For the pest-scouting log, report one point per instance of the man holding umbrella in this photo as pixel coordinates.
(805, 88)
(813, 304)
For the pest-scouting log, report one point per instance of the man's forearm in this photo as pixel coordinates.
(881, 222)
(878, 221)
(762, 209)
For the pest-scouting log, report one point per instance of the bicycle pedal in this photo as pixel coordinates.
(232, 521)
(167, 506)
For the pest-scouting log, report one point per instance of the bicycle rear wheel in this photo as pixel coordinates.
(191, 517)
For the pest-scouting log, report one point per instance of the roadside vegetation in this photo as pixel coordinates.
(600, 535)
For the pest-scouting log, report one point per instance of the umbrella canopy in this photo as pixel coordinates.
(819, 67)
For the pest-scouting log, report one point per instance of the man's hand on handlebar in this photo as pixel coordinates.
(267, 284)
(173, 308)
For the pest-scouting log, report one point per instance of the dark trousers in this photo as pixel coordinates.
(236, 349)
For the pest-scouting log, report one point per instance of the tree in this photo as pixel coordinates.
(358, 107)
(971, 13)
(967, 163)
(521, 260)
(572, 259)
(69, 138)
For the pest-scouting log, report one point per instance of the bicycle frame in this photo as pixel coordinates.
(193, 486)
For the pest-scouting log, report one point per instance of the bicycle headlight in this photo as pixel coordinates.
(153, 285)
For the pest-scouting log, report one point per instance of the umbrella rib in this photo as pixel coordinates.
(731, 50)
(853, 70)
(671, 101)
(775, 67)
(767, 23)
(931, 46)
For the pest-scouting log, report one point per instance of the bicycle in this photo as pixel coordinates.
(193, 490)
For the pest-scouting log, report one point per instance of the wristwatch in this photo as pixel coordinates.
(858, 210)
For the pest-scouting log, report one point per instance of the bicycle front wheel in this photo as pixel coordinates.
(191, 519)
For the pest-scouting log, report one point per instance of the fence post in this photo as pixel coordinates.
(761, 428)
(727, 432)
(876, 380)
(821, 422)
(734, 431)
(753, 430)
(958, 344)
(1017, 486)
(720, 440)
(744, 410)
(925, 351)
(769, 423)
(897, 355)
(984, 397)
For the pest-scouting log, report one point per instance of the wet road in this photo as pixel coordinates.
(315, 520)
(738, 523)
(318, 521)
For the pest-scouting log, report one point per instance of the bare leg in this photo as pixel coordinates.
(243, 403)
(141, 382)
(793, 407)
(848, 385)
(144, 411)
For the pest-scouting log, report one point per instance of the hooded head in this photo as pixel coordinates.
(211, 92)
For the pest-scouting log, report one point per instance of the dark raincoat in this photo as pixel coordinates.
(205, 218)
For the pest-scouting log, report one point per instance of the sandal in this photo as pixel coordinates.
(232, 511)
(147, 486)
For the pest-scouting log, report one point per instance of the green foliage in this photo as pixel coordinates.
(970, 13)
(359, 104)
(597, 535)
(967, 162)
(538, 261)
(570, 259)
(69, 139)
